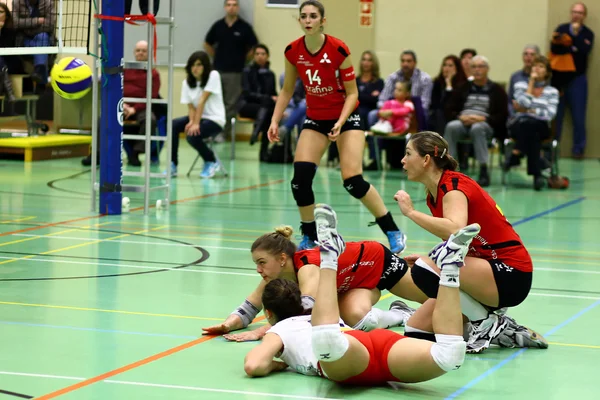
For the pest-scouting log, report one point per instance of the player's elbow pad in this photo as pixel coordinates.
(449, 351)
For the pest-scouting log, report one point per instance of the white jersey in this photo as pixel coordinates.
(296, 335)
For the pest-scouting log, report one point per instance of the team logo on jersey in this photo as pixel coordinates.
(325, 59)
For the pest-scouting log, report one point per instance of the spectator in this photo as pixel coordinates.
(466, 55)
(535, 105)
(7, 39)
(530, 52)
(230, 41)
(35, 23)
(576, 40)
(395, 114)
(202, 93)
(479, 109)
(258, 97)
(420, 82)
(369, 84)
(450, 77)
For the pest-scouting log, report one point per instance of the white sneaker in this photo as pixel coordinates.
(515, 335)
(484, 331)
(403, 308)
(330, 242)
(455, 249)
(382, 126)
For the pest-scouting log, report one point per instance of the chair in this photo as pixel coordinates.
(211, 141)
(549, 145)
(418, 122)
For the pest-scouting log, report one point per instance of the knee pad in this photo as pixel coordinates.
(425, 278)
(449, 351)
(304, 173)
(328, 342)
(368, 323)
(357, 186)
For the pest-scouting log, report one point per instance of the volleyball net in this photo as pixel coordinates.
(44, 27)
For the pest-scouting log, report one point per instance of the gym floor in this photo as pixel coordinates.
(112, 307)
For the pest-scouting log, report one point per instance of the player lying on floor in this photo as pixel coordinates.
(319, 344)
(365, 269)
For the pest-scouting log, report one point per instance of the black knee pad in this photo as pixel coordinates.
(425, 278)
(304, 173)
(357, 186)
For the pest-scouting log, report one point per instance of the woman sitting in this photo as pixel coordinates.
(7, 39)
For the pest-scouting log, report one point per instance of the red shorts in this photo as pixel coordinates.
(379, 343)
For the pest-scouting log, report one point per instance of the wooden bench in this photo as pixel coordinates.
(36, 148)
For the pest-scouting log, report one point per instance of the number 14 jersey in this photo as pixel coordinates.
(321, 76)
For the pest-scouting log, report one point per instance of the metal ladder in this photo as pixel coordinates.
(150, 135)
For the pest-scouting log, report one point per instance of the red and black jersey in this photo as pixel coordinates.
(497, 239)
(321, 75)
(359, 266)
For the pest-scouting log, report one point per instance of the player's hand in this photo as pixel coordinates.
(273, 132)
(216, 329)
(335, 131)
(404, 202)
(244, 336)
(411, 259)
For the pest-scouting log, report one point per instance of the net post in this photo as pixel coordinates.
(111, 132)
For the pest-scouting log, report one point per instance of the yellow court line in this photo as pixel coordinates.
(8, 221)
(77, 246)
(585, 346)
(12, 303)
(47, 235)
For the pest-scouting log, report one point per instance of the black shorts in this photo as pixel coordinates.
(513, 285)
(394, 269)
(353, 123)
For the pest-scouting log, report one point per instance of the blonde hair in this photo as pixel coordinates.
(276, 242)
(375, 70)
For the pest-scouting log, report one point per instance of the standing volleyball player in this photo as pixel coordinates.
(324, 65)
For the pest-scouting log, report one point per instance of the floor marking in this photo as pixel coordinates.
(146, 314)
(198, 271)
(17, 220)
(96, 241)
(585, 346)
(516, 354)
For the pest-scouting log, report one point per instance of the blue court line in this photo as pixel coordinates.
(97, 330)
(508, 359)
(541, 214)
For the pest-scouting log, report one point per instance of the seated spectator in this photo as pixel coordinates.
(530, 52)
(295, 113)
(420, 81)
(203, 94)
(369, 84)
(477, 109)
(258, 97)
(35, 23)
(535, 103)
(466, 55)
(395, 115)
(134, 85)
(7, 39)
(450, 77)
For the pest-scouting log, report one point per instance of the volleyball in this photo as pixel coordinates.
(71, 78)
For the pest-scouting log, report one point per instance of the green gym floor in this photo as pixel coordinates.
(112, 307)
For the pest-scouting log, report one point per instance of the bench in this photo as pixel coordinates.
(36, 148)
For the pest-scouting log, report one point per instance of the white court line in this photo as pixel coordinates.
(157, 385)
(139, 242)
(575, 271)
(132, 266)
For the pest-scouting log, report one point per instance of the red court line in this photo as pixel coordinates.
(33, 228)
(131, 366)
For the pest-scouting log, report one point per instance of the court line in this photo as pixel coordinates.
(229, 191)
(551, 210)
(17, 220)
(585, 346)
(516, 354)
(194, 388)
(146, 314)
(15, 394)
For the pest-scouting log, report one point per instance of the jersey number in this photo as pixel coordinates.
(313, 76)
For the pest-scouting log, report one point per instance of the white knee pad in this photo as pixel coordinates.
(449, 351)
(368, 323)
(328, 342)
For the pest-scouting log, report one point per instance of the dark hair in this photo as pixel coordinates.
(409, 53)
(464, 52)
(540, 59)
(406, 85)
(316, 4)
(8, 22)
(459, 77)
(432, 143)
(375, 71)
(276, 242)
(205, 60)
(283, 298)
(262, 46)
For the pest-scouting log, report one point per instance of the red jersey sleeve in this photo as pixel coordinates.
(291, 52)
(304, 257)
